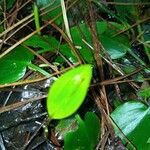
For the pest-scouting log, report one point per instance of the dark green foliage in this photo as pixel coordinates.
(42, 43)
(145, 93)
(13, 65)
(55, 10)
(127, 11)
(87, 134)
(133, 118)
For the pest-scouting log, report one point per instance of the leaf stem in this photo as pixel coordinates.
(36, 68)
(36, 18)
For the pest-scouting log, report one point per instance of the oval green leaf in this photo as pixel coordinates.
(133, 118)
(68, 92)
(13, 65)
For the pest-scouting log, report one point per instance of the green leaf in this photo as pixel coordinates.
(145, 92)
(146, 34)
(118, 45)
(84, 51)
(113, 28)
(68, 92)
(1, 28)
(128, 68)
(9, 4)
(82, 32)
(66, 51)
(79, 33)
(45, 43)
(115, 48)
(127, 11)
(66, 125)
(85, 137)
(55, 10)
(133, 118)
(42, 3)
(86, 54)
(13, 65)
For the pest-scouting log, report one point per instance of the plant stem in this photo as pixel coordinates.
(36, 18)
(36, 68)
(65, 19)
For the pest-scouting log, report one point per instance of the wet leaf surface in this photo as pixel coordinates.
(13, 65)
(22, 123)
(40, 143)
(133, 118)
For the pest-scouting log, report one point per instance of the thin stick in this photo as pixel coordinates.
(65, 19)
(31, 34)
(19, 104)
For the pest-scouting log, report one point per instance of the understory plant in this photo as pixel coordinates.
(99, 54)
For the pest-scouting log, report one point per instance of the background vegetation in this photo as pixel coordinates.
(74, 74)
